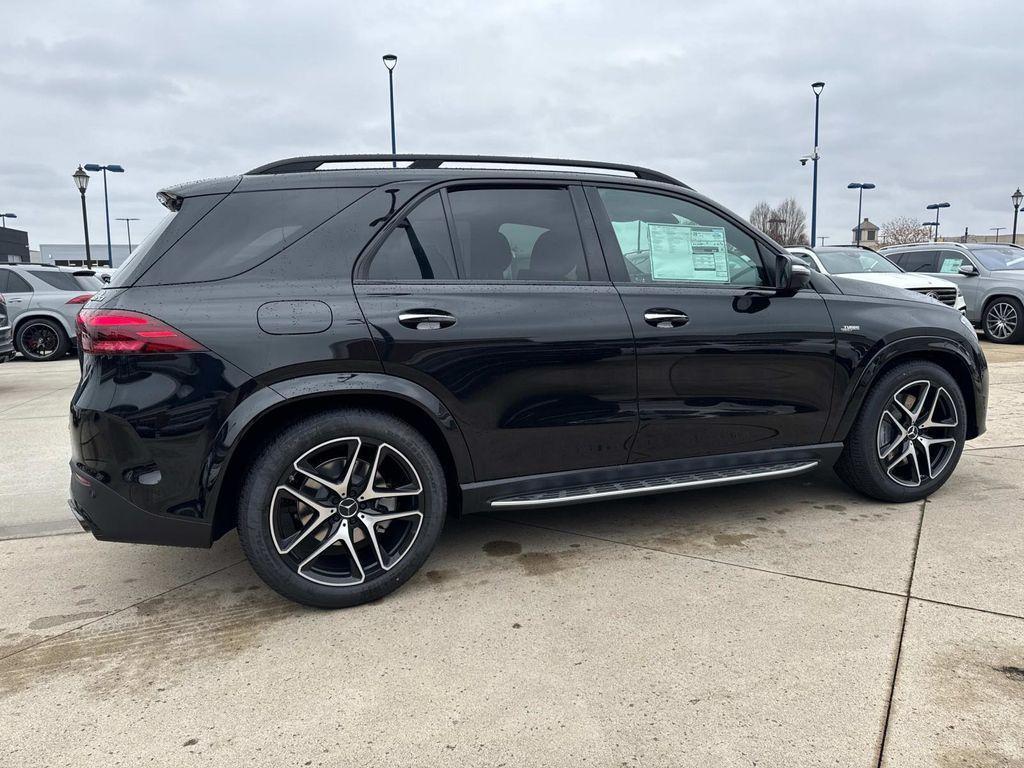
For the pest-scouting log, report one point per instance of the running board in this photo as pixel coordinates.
(697, 479)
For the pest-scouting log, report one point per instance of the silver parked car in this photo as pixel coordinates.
(990, 276)
(42, 305)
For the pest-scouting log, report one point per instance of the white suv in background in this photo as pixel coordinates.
(862, 263)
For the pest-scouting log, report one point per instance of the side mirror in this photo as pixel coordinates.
(968, 269)
(793, 274)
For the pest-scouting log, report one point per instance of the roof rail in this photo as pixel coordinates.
(313, 163)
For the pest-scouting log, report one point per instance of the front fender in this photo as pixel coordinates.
(876, 360)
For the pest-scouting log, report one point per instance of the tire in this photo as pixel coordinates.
(41, 339)
(378, 542)
(883, 419)
(1003, 320)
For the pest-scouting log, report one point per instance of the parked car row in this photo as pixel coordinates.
(862, 263)
(990, 276)
(41, 304)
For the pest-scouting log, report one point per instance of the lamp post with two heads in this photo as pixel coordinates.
(860, 185)
(113, 168)
(936, 207)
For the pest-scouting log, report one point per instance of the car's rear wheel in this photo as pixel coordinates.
(40, 338)
(342, 508)
(1003, 321)
(908, 436)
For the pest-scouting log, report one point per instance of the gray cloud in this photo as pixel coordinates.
(923, 99)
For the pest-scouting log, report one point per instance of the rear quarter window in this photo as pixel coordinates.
(245, 230)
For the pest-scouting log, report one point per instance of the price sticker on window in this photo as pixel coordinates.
(684, 252)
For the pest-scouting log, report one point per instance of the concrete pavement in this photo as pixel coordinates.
(781, 624)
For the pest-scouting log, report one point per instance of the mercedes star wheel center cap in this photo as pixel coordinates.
(348, 507)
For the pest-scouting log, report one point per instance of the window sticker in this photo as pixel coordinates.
(951, 264)
(683, 252)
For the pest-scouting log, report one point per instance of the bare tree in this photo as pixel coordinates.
(902, 229)
(760, 216)
(794, 230)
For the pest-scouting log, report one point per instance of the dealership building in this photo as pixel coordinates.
(73, 254)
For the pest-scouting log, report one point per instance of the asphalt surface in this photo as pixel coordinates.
(789, 623)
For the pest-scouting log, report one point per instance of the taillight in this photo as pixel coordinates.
(121, 332)
(80, 299)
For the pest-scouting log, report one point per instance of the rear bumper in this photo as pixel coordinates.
(110, 517)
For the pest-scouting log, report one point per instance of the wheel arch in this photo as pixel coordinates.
(39, 314)
(995, 295)
(943, 352)
(271, 409)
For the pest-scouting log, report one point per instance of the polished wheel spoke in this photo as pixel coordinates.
(374, 489)
(371, 522)
(346, 511)
(340, 487)
(319, 512)
(917, 438)
(341, 536)
(1002, 320)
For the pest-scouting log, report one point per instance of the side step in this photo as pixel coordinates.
(698, 479)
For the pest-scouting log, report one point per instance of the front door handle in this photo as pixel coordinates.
(665, 318)
(426, 319)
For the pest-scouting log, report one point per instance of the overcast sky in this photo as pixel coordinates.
(923, 99)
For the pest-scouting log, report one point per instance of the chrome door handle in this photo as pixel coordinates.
(665, 318)
(426, 319)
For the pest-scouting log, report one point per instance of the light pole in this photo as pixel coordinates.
(128, 224)
(817, 87)
(937, 207)
(5, 216)
(932, 224)
(390, 60)
(861, 185)
(113, 168)
(997, 230)
(823, 238)
(777, 233)
(82, 181)
(1016, 197)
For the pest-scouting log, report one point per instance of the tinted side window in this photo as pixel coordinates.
(419, 248)
(950, 262)
(16, 283)
(518, 234)
(917, 261)
(663, 238)
(62, 281)
(245, 230)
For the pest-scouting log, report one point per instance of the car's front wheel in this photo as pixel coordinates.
(342, 507)
(908, 436)
(41, 339)
(1003, 321)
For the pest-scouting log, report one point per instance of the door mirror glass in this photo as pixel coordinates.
(968, 269)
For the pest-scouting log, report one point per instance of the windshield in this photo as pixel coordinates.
(855, 260)
(998, 258)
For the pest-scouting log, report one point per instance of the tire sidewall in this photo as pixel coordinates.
(878, 398)
(274, 460)
(62, 339)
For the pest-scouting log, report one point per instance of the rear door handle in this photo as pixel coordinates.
(665, 318)
(426, 319)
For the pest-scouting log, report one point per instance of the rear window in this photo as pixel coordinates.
(245, 230)
(62, 281)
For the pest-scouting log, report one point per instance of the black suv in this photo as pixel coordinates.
(333, 360)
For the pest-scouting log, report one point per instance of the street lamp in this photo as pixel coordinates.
(390, 60)
(128, 224)
(113, 169)
(776, 222)
(932, 224)
(997, 230)
(823, 238)
(5, 216)
(1016, 197)
(861, 185)
(937, 207)
(82, 181)
(817, 87)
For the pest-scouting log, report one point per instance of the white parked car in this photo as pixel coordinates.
(862, 263)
